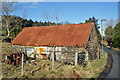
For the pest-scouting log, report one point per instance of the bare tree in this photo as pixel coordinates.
(110, 22)
(65, 22)
(7, 8)
(48, 17)
(55, 17)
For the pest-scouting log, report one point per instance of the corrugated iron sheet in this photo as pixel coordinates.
(60, 35)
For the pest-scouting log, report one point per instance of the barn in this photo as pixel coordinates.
(72, 43)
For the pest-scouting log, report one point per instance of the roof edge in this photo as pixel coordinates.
(90, 34)
(56, 25)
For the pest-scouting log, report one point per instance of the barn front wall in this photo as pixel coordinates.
(42, 52)
(62, 54)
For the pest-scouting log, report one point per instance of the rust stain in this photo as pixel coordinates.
(41, 50)
(59, 35)
(35, 50)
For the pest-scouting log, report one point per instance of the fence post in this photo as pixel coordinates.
(76, 58)
(53, 58)
(22, 64)
(86, 55)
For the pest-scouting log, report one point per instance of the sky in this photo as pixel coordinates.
(63, 0)
(74, 12)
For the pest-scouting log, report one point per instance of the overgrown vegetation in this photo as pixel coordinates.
(43, 68)
(93, 67)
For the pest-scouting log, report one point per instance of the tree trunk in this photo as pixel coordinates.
(7, 27)
(8, 33)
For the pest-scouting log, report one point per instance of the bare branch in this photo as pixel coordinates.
(24, 14)
(56, 16)
(16, 25)
(47, 16)
(6, 9)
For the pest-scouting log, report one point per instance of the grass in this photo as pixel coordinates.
(113, 48)
(44, 68)
(106, 44)
(52, 72)
(3, 32)
(93, 67)
(5, 49)
(118, 49)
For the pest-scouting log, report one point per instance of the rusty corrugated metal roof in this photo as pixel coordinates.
(60, 35)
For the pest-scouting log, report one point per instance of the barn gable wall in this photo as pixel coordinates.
(93, 45)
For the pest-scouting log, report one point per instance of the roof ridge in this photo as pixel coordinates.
(57, 25)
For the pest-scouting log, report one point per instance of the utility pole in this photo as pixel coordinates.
(102, 34)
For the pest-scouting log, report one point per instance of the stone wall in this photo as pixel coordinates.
(69, 57)
(93, 45)
(17, 48)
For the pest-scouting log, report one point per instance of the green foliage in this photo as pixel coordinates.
(52, 72)
(116, 39)
(95, 21)
(116, 35)
(113, 35)
(109, 31)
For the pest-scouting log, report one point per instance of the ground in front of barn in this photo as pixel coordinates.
(43, 68)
